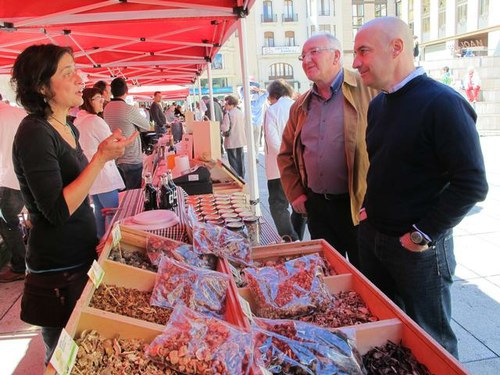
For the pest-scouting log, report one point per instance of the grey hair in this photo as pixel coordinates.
(332, 41)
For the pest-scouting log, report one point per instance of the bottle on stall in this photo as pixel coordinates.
(173, 187)
(166, 195)
(171, 151)
(150, 202)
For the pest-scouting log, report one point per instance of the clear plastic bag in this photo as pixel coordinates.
(193, 343)
(291, 289)
(199, 289)
(291, 347)
(156, 247)
(212, 239)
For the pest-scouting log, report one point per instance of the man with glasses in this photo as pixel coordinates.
(323, 160)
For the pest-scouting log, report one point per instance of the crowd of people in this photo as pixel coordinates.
(380, 160)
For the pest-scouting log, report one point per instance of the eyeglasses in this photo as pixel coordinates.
(314, 52)
(97, 98)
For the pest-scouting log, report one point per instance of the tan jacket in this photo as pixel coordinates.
(290, 158)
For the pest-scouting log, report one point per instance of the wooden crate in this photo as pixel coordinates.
(110, 324)
(393, 323)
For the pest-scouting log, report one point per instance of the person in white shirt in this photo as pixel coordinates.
(11, 201)
(275, 119)
(93, 130)
(233, 130)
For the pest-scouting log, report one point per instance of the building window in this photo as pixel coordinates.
(358, 17)
(411, 16)
(426, 20)
(483, 13)
(217, 62)
(268, 39)
(267, 11)
(289, 15)
(381, 8)
(280, 70)
(399, 10)
(290, 38)
(217, 83)
(442, 19)
(461, 16)
(324, 7)
(313, 29)
(325, 28)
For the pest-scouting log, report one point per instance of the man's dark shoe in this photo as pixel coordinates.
(8, 276)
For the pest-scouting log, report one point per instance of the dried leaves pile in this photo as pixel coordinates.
(346, 309)
(137, 259)
(129, 302)
(97, 355)
(392, 359)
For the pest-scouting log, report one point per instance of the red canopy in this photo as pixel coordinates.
(146, 41)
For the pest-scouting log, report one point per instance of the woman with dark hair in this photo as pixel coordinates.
(233, 130)
(93, 130)
(55, 177)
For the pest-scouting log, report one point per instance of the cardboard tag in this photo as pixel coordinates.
(64, 356)
(246, 308)
(116, 234)
(193, 177)
(96, 274)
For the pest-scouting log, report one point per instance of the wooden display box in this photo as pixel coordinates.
(112, 325)
(393, 323)
(206, 139)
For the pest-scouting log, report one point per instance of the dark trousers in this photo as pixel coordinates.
(50, 337)
(330, 218)
(418, 282)
(298, 223)
(131, 174)
(236, 160)
(278, 204)
(11, 204)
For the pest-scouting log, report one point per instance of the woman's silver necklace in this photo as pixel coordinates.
(66, 126)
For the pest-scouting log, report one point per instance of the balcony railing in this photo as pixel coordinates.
(264, 18)
(294, 17)
(325, 12)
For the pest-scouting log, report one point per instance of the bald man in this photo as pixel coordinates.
(323, 159)
(426, 172)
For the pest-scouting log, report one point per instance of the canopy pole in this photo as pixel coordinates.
(210, 91)
(253, 184)
(199, 91)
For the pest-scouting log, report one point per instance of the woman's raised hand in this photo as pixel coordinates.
(114, 146)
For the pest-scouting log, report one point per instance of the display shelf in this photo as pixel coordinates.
(393, 323)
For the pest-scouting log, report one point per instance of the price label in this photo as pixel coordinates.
(246, 308)
(64, 356)
(96, 273)
(116, 234)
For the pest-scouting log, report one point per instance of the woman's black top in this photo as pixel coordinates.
(44, 164)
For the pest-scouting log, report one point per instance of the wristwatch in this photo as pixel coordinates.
(418, 238)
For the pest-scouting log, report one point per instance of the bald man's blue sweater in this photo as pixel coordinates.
(426, 164)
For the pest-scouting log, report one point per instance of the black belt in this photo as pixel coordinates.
(330, 197)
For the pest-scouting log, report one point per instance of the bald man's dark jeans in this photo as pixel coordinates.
(418, 282)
